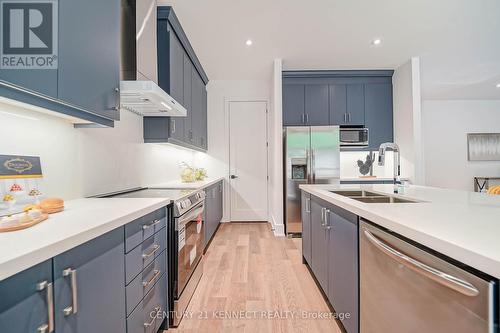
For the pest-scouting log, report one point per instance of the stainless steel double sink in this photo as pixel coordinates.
(371, 197)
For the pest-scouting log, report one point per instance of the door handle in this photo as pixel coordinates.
(173, 126)
(349, 117)
(345, 117)
(73, 308)
(49, 288)
(432, 273)
(327, 222)
(307, 118)
(233, 177)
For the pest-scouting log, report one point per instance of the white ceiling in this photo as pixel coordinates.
(458, 40)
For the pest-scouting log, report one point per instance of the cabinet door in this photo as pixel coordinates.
(220, 202)
(343, 267)
(355, 104)
(25, 300)
(89, 286)
(42, 81)
(197, 109)
(204, 121)
(188, 74)
(319, 239)
(293, 104)
(316, 105)
(176, 54)
(379, 113)
(176, 83)
(338, 106)
(210, 211)
(306, 226)
(89, 55)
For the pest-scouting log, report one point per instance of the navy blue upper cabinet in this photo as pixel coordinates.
(89, 286)
(379, 114)
(355, 105)
(89, 55)
(182, 76)
(86, 82)
(25, 300)
(175, 67)
(338, 104)
(316, 104)
(347, 104)
(293, 104)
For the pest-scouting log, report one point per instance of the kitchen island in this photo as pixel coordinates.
(428, 256)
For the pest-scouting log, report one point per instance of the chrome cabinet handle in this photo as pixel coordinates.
(173, 126)
(345, 117)
(48, 287)
(323, 210)
(349, 117)
(307, 118)
(151, 323)
(302, 118)
(327, 222)
(432, 273)
(308, 205)
(147, 226)
(153, 251)
(153, 278)
(73, 308)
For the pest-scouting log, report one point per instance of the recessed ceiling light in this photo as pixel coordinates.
(249, 42)
(377, 41)
(498, 85)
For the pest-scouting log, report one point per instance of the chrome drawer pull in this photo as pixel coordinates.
(432, 273)
(49, 288)
(153, 251)
(151, 323)
(73, 308)
(153, 278)
(147, 226)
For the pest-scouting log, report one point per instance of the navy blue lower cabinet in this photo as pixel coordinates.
(319, 244)
(89, 286)
(306, 226)
(343, 266)
(26, 300)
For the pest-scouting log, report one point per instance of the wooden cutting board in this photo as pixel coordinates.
(25, 225)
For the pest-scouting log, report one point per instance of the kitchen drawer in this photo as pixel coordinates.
(142, 228)
(148, 315)
(144, 254)
(143, 282)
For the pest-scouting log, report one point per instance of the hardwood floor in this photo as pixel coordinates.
(255, 282)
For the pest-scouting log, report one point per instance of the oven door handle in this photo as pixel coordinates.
(190, 215)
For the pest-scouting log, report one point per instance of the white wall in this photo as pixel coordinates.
(219, 95)
(84, 162)
(407, 119)
(445, 127)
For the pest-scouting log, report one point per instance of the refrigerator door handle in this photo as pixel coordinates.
(308, 166)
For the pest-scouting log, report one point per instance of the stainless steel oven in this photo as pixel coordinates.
(187, 252)
(354, 137)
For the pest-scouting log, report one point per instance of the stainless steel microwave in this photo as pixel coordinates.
(354, 137)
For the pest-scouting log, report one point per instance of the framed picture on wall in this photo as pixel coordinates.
(483, 146)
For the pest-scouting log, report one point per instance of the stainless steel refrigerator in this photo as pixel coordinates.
(311, 156)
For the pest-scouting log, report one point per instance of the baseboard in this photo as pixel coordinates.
(278, 229)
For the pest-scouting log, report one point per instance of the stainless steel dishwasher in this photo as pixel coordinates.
(404, 289)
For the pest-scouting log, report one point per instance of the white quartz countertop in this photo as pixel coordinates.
(178, 184)
(462, 225)
(367, 179)
(81, 221)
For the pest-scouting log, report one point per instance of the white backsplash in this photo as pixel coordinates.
(349, 164)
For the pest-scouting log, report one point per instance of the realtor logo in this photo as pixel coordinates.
(28, 34)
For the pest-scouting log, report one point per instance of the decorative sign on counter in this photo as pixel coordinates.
(20, 180)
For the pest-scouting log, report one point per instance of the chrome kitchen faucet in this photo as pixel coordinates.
(397, 164)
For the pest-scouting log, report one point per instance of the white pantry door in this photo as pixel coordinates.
(248, 160)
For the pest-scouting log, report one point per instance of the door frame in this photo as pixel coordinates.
(228, 122)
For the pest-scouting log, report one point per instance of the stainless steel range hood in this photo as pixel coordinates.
(139, 90)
